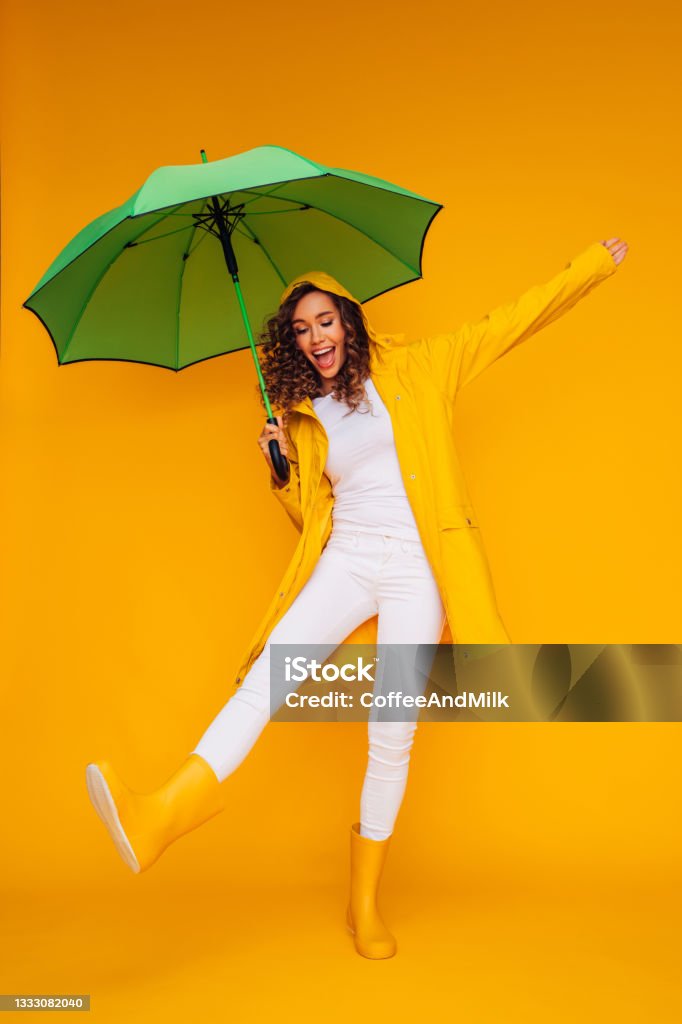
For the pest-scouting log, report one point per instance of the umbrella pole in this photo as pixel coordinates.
(280, 464)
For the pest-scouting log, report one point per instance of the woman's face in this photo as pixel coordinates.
(317, 327)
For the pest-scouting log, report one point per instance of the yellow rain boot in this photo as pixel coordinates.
(142, 825)
(367, 857)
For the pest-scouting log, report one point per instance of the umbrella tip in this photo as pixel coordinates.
(203, 156)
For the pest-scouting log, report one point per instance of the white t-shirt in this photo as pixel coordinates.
(362, 465)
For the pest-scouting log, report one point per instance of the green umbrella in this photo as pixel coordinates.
(142, 284)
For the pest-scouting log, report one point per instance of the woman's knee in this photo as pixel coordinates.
(255, 689)
(391, 742)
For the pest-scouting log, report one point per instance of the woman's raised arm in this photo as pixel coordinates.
(458, 358)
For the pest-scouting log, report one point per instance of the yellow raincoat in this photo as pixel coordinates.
(418, 382)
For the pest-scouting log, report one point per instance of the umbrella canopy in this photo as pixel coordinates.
(147, 281)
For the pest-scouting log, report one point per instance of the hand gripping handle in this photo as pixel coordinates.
(280, 464)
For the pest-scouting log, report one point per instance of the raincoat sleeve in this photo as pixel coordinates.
(289, 496)
(457, 359)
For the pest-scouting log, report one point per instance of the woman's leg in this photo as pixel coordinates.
(411, 614)
(336, 599)
(333, 602)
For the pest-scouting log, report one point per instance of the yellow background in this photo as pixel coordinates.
(534, 869)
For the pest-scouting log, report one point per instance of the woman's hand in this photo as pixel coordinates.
(617, 247)
(271, 432)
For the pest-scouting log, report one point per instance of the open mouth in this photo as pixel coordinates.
(325, 357)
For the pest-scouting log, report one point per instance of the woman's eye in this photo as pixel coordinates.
(326, 323)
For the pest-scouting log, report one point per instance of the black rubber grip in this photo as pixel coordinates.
(280, 464)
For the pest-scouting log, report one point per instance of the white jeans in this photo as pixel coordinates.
(358, 575)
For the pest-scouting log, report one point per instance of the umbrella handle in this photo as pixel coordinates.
(278, 460)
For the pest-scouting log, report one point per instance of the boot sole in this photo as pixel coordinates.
(351, 931)
(103, 802)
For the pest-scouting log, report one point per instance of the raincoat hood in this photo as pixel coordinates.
(328, 283)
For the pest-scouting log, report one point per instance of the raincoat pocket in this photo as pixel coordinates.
(455, 517)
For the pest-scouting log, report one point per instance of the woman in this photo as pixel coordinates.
(367, 427)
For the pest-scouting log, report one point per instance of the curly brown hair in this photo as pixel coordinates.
(289, 376)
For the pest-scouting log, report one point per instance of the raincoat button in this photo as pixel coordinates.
(281, 595)
(469, 522)
(411, 476)
(397, 397)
